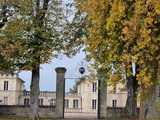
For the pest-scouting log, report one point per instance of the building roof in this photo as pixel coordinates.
(20, 79)
(86, 78)
(2, 73)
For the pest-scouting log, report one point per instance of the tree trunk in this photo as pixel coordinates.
(149, 96)
(131, 103)
(34, 94)
(148, 107)
(3, 13)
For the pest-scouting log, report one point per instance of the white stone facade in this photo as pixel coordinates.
(85, 100)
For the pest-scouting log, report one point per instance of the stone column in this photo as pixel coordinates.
(102, 101)
(60, 92)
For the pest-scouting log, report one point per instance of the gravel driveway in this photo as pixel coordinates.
(80, 116)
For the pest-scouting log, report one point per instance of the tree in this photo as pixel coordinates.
(121, 32)
(5, 65)
(100, 54)
(36, 32)
(74, 89)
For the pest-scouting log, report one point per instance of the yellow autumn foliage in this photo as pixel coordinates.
(120, 32)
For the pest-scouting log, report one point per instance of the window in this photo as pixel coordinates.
(26, 101)
(40, 102)
(75, 103)
(114, 103)
(5, 85)
(94, 89)
(66, 104)
(94, 104)
(53, 102)
(5, 100)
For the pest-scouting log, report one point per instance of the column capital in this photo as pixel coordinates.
(60, 69)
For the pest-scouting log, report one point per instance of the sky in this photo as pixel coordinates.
(48, 73)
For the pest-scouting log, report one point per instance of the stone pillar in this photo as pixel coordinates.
(60, 92)
(102, 101)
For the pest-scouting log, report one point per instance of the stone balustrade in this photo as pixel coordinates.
(43, 93)
(72, 95)
(2, 75)
(46, 93)
(72, 110)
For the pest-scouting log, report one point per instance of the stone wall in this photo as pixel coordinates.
(117, 112)
(49, 111)
(44, 111)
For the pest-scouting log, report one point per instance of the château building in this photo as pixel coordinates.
(12, 92)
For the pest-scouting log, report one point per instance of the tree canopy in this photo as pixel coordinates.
(35, 30)
(121, 32)
(32, 33)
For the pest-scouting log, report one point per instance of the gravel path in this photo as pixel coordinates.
(80, 116)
